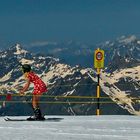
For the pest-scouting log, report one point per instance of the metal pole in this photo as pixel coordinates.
(98, 92)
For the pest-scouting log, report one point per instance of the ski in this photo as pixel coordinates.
(46, 119)
(9, 119)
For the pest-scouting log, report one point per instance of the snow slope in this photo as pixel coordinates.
(74, 128)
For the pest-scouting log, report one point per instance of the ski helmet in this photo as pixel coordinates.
(26, 68)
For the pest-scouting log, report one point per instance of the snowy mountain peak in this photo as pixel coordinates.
(128, 39)
(19, 50)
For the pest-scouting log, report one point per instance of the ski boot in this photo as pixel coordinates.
(37, 116)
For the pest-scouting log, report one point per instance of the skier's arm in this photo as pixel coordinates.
(25, 88)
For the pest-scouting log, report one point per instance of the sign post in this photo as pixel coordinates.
(98, 64)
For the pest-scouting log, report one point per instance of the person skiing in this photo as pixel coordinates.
(39, 89)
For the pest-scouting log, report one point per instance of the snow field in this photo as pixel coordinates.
(73, 128)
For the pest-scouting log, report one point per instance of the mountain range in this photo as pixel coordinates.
(73, 53)
(69, 83)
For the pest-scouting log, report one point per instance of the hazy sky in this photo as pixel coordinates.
(90, 21)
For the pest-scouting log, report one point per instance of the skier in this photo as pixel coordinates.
(39, 89)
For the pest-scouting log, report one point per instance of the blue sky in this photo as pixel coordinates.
(89, 21)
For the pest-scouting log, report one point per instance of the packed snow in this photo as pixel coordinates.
(73, 128)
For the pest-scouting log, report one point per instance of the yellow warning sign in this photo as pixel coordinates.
(99, 59)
